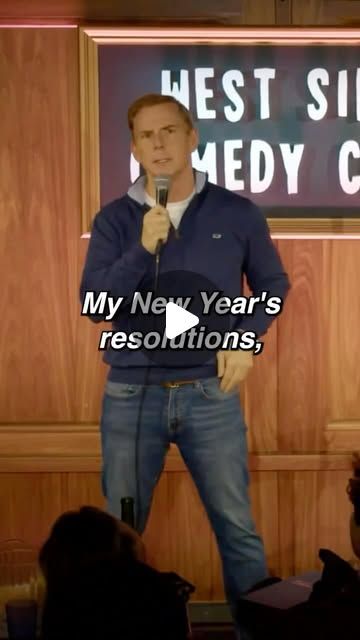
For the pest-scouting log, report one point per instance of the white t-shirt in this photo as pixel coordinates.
(175, 209)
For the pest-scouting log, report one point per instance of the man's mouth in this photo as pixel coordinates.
(163, 161)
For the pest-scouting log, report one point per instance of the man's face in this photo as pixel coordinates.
(162, 143)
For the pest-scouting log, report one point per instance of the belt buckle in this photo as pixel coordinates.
(173, 385)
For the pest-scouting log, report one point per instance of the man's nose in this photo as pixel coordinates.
(158, 140)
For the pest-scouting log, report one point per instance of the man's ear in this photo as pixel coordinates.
(194, 139)
(133, 150)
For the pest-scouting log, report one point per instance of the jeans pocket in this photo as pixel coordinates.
(210, 389)
(122, 389)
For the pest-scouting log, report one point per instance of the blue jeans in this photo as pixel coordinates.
(208, 427)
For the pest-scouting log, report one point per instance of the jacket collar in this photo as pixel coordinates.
(137, 189)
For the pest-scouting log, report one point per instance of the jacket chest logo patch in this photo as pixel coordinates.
(216, 236)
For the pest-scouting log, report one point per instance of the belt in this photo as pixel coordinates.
(176, 383)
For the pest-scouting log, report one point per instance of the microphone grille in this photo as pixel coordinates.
(162, 182)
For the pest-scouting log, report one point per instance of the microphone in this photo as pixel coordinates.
(162, 185)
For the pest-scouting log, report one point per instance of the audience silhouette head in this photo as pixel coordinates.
(85, 540)
(98, 586)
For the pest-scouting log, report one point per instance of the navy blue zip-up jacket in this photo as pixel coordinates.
(117, 262)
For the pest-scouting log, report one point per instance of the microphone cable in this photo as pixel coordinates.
(162, 184)
(142, 398)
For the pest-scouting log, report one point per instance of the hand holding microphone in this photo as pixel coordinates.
(157, 224)
(156, 227)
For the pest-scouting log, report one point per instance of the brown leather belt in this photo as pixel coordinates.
(176, 383)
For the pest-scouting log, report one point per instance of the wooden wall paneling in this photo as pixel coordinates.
(249, 12)
(342, 303)
(81, 488)
(263, 12)
(306, 521)
(72, 447)
(301, 349)
(286, 519)
(307, 12)
(314, 514)
(58, 11)
(342, 437)
(258, 393)
(325, 12)
(283, 12)
(91, 371)
(39, 223)
(260, 397)
(90, 130)
(31, 503)
(264, 495)
(333, 508)
(313, 504)
(342, 429)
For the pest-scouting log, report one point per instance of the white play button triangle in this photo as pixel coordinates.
(178, 320)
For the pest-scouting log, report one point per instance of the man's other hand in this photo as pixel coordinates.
(233, 367)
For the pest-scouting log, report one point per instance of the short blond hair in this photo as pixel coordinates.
(153, 99)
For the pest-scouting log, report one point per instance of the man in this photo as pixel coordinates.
(198, 406)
